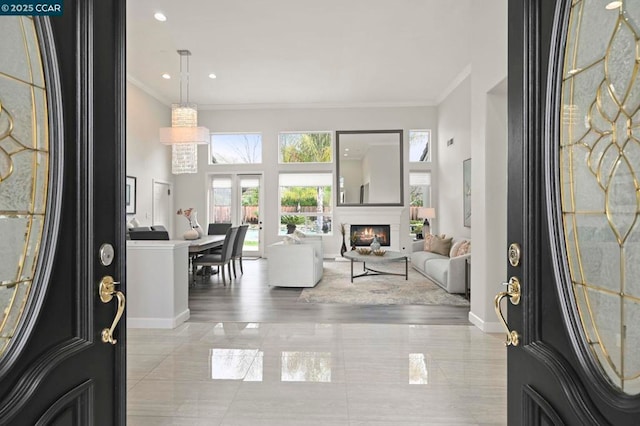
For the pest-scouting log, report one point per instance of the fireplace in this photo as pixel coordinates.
(364, 234)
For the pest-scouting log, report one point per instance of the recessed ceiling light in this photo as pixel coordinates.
(613, 5)
(346, 155)
(212, 75)
(346, 149)
(160, 16)
(166, 76)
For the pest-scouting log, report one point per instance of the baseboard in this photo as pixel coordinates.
(158, 322)
(487, 327)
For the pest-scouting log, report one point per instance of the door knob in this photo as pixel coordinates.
(107, 291)
(514, 293)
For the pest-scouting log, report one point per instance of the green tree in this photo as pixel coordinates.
(308, 148)
(416, 195)
(305, 147)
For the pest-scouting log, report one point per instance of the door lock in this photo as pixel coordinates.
(514, 254)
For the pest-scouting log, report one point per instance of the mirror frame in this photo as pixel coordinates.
(400, 134)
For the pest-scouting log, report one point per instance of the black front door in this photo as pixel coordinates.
(62, 127)
(573, 196)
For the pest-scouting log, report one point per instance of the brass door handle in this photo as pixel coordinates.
(514, 293)
(107, 291)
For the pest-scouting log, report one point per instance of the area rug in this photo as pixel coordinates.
(336, 287)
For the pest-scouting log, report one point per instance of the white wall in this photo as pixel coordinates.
(488, 153)
(191, 190)
(383, 186)
(474, 114)
(454, 122)
(147, 159)
(351, 171)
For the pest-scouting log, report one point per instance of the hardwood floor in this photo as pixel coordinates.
(249, 299)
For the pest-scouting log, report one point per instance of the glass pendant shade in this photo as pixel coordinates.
(184, 127)
(184, 158)
(184, 134)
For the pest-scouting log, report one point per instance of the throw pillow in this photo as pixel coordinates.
(428, 238)
(298, 233)
(427, 242)
(441, 245)
(455, 247)
(464, 248)
(290, 239)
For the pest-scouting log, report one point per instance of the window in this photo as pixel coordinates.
(236, 148)
(307, 147)
(419, 196)
(220, 200)
(306, 201)
(419, 145)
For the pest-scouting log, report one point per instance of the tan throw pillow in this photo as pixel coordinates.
(441, 245)
(464, 248)
(428, 240)
(455, 247)
(460, 248)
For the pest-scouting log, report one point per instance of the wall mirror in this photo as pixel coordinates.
(369, 167)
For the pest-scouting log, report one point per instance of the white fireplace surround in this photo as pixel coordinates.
(378, 216)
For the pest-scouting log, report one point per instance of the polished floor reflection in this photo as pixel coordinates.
(256, 373)
(254, 355)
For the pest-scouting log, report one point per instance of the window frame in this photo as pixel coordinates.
(326, 215)
(294, 132)
(211, 149)
(430, 144)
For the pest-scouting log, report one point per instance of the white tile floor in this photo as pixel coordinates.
(316, 374)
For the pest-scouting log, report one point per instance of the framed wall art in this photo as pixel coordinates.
(130, 195)
(466, 194)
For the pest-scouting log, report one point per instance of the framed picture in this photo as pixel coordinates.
(130, 195)
(466, 192)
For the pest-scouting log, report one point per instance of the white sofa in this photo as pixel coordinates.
(295, 265)
(447, 272)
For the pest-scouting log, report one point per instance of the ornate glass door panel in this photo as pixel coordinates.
(599, 182)
(24, 176)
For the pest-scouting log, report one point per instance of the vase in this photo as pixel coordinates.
(343, 248)
(191, 234)
(375, 244)
(195, 225)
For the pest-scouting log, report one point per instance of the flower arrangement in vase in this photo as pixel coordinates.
(195, 231)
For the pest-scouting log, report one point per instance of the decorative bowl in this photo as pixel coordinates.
(379, 252)
(364, 251)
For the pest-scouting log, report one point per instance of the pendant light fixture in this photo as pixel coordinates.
(184, 134)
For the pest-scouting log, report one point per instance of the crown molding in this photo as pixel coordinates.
(401, 104)
(149, 91)
(466, 72)
(333, 105)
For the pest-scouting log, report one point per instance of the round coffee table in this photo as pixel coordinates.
(388, 257)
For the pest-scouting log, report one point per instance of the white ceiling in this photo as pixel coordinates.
(269, 53)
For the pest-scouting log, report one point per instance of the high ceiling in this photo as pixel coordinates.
(268, 53)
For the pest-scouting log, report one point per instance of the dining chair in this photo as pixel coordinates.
(237, 248)
(218, 228)
(219, 259)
